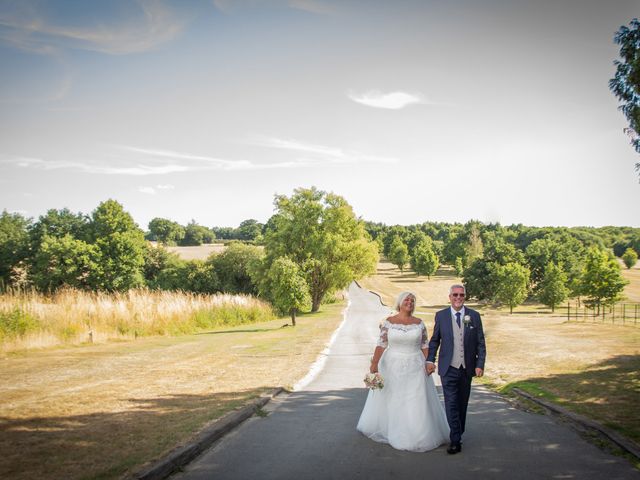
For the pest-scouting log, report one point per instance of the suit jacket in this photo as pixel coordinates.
(475, 350)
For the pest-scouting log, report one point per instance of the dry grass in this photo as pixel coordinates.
(591, 368)
(31, 320)
(101, 411)
(201, 252)
(632, 291)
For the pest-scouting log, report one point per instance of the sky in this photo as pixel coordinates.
(413, 111)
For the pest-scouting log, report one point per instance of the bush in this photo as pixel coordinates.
(17, 323)
(630, 257)
(232, 267)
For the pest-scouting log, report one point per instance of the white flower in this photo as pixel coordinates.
(374, 381)
(467, 320)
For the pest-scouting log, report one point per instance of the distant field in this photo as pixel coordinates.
(201, 252)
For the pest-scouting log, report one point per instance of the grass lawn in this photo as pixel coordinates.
(591, 368)
(101, 411)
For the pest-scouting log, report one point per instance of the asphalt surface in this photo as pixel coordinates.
(310, 434)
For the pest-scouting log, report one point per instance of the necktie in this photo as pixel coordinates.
(458, 319)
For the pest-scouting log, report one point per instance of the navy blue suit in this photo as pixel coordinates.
(456, 382)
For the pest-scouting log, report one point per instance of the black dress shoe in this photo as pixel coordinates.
(454, 448)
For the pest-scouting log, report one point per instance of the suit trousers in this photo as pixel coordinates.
(456, 387)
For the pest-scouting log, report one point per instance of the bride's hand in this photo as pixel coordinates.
(429, 368)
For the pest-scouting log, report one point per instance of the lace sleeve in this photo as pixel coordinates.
(382, 339)
(425, 340)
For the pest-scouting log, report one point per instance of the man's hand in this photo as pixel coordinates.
(430, 368)
(479, 372)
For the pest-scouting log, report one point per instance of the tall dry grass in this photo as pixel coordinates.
(33, 320)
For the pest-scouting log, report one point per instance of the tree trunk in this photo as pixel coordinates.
(316, 300)
(293, 317)
(510, 309)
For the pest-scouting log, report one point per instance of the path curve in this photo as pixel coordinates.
(310, 434)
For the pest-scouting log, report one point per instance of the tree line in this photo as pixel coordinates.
(508, 265)
(171, 233)
(313, 246)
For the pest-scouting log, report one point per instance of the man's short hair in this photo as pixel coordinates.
(457, 286)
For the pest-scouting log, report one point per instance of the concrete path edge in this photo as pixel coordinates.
(182, 455)
(623, 442)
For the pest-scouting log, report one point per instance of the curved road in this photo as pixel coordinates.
(310, 434)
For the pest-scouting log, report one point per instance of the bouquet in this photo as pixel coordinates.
(374, 381)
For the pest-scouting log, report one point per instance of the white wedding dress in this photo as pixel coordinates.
(406, 413)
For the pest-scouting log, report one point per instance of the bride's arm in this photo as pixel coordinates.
(377, 353)
(380, 347)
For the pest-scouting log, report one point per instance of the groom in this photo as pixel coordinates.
(458, 333)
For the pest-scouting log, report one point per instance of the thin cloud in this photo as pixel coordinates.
(315, 7)
(139, 170)
(312, 6)
(320, 153)
(27, 27)
(146, 162)
(202, 161)
(391, 101)
(155, 189)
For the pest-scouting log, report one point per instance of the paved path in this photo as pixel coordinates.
(310, 434)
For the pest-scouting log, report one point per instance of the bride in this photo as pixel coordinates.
(406, 413)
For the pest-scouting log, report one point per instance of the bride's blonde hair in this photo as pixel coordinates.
(401, 299)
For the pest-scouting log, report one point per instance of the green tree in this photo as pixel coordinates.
(601, 281)
(458, 267)
(553, 289)
(561, 249)
(423, 259)
(122, 261)
(232, 267)
(250, 230)
(390, 235)
(626, 83)
(121, 245)
(197, 235)
(474, 248)
(319, 232)
(14, 243)
(630, 257)
(166, 231)
(288, 288)
(65, 261)
(455, 245)
(480, 277)
(511, 283)
(398, 253)
(188, 276)
(157, 259)
(110, 217)
(58, 223)
(224, 233)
